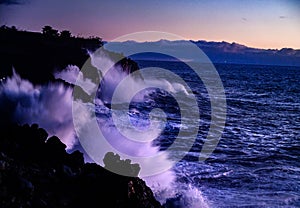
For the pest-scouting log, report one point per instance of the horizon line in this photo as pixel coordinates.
(149, 41)
(199, 40)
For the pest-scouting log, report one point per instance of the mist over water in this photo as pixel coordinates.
(254, 165)
(50, 106)
(47, 105)
(119, 134)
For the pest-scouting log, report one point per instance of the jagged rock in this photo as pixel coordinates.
(50, 177)
(113, 163)
(54, 143)
(75, 160)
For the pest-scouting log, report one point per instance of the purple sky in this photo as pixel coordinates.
(255, 23)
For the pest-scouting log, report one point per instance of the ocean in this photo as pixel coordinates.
(256, 162)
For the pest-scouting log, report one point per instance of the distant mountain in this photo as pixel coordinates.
(221, 52)
(218, 52)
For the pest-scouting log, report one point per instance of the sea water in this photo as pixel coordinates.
(257, 160)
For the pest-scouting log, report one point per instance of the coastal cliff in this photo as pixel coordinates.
(36, 56)
(35, 168)
(36, 171)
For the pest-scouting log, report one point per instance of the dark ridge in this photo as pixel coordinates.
(36, 56)
(36, 171)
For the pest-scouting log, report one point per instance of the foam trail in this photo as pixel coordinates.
(184, 195)
(110, 81)
(164, 184)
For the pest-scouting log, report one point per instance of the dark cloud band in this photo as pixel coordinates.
(10, 2)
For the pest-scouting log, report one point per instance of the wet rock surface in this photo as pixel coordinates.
(36, 171)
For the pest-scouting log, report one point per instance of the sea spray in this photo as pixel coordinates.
(183, 195)
(48, 105)
(71, 74)
(164, 184)
(107, 125)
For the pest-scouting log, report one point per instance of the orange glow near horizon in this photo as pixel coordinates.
(258, 23)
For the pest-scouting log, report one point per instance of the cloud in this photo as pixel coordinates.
(244, 19)
(11, 2)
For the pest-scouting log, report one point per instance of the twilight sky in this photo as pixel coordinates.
(255, 23)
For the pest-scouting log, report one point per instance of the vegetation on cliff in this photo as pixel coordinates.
(36, 55)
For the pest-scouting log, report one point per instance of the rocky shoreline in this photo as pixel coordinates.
(36, 171)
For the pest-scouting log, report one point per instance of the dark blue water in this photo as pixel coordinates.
(257, 161)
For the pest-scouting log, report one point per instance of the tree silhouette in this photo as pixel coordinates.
(95, 38)
(6, 28)
(49, 31)
(65, 34)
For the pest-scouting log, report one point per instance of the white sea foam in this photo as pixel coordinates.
(50, 106)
